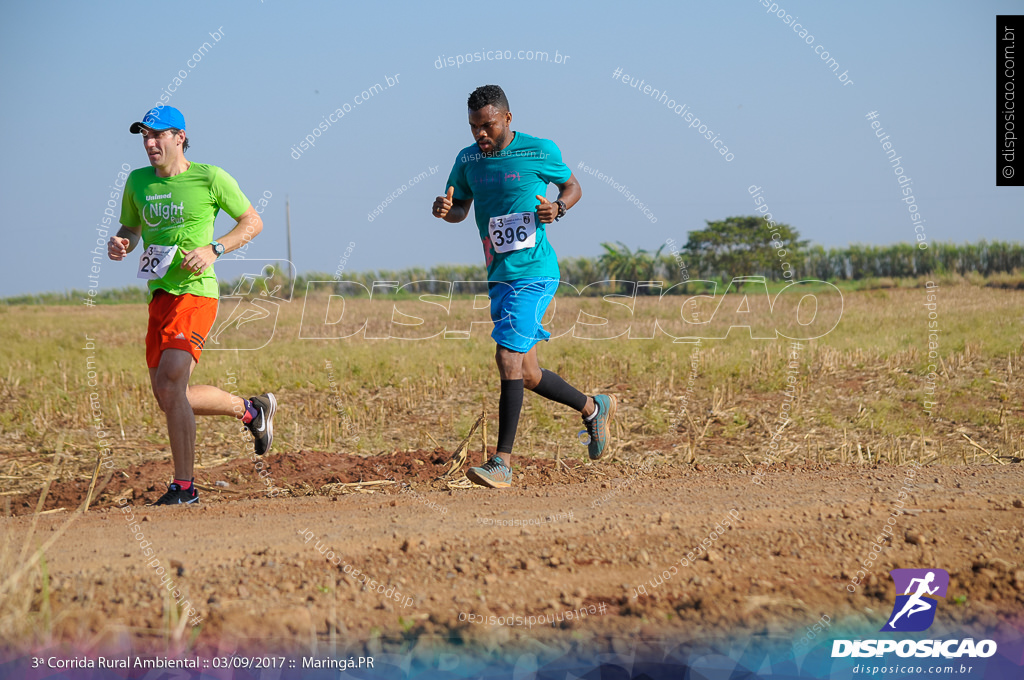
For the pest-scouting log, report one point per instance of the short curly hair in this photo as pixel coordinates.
(488, 95)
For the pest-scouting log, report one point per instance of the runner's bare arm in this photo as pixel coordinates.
(124, 242)
(248, 227)
(569, 192)
(451, 209)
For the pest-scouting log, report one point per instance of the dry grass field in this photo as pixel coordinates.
(860, 388)
(695, 425)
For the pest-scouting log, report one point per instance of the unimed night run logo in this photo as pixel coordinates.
(914, 610)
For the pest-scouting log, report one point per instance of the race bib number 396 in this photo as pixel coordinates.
(155, 261)
(517, 231)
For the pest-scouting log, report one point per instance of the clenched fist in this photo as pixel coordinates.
(117, 248)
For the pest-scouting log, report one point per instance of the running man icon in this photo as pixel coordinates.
(920, 587)
(249, 307)
(915, 604)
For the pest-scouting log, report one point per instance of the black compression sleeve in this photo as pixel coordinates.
(510, 403)
(552, 387)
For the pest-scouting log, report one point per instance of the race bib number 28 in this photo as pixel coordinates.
(517, 231)
(155, 261)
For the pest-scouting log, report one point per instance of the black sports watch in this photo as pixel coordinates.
(561, 209)
(218, 248)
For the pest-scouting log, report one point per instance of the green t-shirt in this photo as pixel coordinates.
(180, 211)
(509, 182)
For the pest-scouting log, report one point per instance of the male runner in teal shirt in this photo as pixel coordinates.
(507, 173)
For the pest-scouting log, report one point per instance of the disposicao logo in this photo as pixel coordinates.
(914, 611)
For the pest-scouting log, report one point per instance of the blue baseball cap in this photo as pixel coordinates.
(160, 118)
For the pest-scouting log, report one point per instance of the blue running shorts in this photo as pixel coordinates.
(517, 308)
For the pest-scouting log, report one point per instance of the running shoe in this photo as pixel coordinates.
(177, 496)
(262, 426)
(494, 474)
(597, 427)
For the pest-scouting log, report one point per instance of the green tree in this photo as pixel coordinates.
(745, 246)
(625, 265)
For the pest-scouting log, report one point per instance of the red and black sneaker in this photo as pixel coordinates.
(262, 426)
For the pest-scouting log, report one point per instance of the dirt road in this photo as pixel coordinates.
(586, 539)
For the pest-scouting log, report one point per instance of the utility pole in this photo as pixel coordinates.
(288, 229)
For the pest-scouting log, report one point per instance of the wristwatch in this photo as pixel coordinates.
(561, 209)
(218, 248)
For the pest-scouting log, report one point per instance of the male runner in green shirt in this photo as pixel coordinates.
(172, 205)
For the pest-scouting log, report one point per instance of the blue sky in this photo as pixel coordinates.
(76, 75)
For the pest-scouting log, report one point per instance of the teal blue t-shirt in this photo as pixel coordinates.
(506, 183)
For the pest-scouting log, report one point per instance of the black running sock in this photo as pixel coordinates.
(552, 387)
(510, 403)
